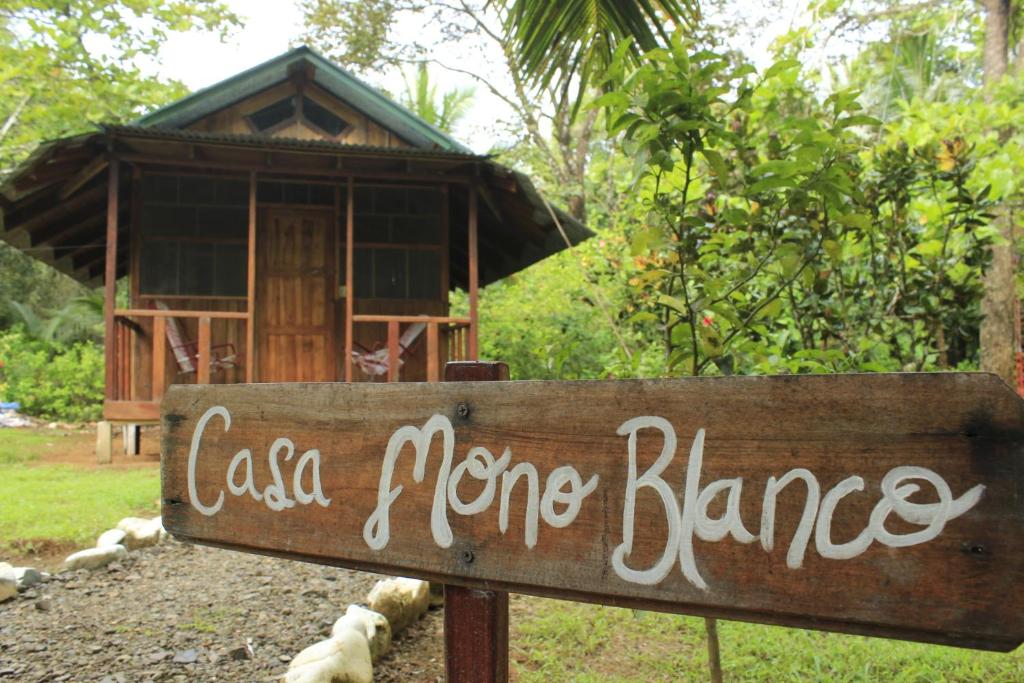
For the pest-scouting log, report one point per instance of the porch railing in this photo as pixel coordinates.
(456, 331)
(124, 400)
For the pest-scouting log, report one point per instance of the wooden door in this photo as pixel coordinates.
(295, 271)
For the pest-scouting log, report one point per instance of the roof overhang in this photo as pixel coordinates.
(54, 206)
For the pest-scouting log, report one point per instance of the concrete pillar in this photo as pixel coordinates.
(104, 442)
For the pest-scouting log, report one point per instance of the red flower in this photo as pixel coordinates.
(707, 320)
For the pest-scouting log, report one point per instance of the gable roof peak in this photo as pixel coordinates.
(327, 75)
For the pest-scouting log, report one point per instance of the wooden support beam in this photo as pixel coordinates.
(132, 411)
(90, 171)
(474, 272)
(475, 621)
(84, 257)
(175, 313)
(349, 279)
(446, 275)
(203, 355)
(159, 378)
(393, 351)
(384, 318)
(309, 171)
(433, 359)
(46, 176)
(54, 210)
(250, 288)
(57, 235)
(99, 269)
(110, 278)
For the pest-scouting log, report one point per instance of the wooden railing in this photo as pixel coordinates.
(123, 400)
(456, 330)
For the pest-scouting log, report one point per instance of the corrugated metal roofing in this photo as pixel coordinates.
(295, 144)
(328, 76)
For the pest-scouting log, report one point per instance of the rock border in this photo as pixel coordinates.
(362, 635)
(359, 638)
(131, 533)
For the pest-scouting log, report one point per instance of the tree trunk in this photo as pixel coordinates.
(999, 325)
(1020, 57)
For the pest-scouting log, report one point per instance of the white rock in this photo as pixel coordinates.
(373, 625)
(401, 600)
(159, 521)
(139, 532)
(26, 577)
(8, 582)
(94, 558)
(345, 659)
(111, 537)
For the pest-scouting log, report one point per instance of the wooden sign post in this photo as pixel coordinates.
(888, 505)
(475, 621)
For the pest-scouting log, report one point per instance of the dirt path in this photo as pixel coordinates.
(186, 613)
(77, 447)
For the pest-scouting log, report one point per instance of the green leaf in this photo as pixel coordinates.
(771, 183)
(833, 249)
(675, 304)
(858, 120)
(928, 248)
(642, 317)
(780, 67)
(716, 162)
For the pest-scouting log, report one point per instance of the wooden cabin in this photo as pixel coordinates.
(289, 224)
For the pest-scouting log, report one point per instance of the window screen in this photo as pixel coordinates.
(194, 236)
(273, 115)
(399, 241)
(322, 118)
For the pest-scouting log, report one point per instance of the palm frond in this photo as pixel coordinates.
(558, 42)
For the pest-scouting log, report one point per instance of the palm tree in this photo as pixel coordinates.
(574, 40)
(442, 112)
(81, 319)
(568, 43)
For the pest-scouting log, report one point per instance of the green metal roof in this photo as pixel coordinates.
(332, 78)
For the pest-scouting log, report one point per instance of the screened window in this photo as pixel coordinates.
(322, 118)
(194, 232)
(292, 109)
(399, 242)
(277, 192)
(273, 115)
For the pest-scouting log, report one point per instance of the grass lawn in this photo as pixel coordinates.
(562, 641)
(47, 508)
(25, 445)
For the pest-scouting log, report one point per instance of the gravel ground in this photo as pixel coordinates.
(188, 613)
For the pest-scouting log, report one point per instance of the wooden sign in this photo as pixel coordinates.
(886, 505)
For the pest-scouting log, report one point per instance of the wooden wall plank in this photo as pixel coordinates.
(250, 287)
(474, 272)
(203, 353)
(159, 361)
(350, 230)
(110, 279)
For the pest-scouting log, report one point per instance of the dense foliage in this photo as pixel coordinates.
(65, 67)
(52, 380)
(768, 226)
(792, 220)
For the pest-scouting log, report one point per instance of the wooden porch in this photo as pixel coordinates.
(142, 358)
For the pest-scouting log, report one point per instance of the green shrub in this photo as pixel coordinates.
(51, 380)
